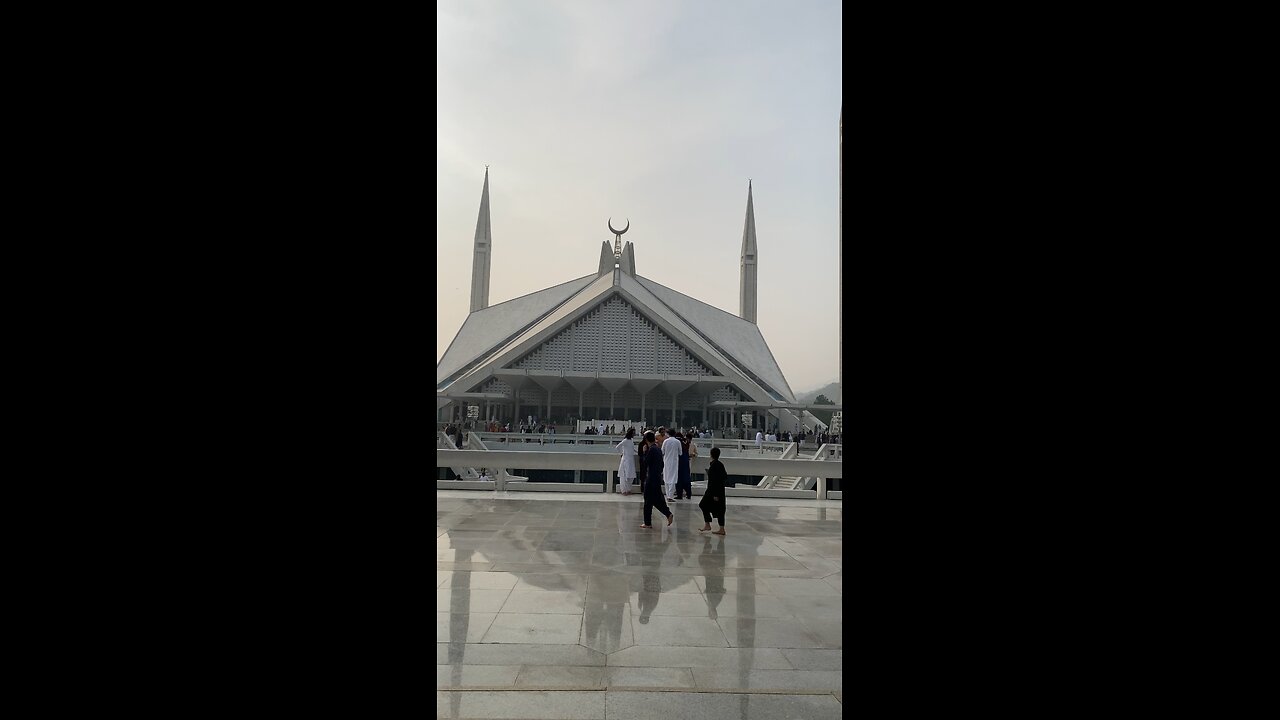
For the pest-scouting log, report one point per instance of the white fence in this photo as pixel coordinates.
(608, 462)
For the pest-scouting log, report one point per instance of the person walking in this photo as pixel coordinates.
(759, 440)
(653, 484)
(713, 500)
(627, 463)
(685, 482)
(670, 462)
(642, 461)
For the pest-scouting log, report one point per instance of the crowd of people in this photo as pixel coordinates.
(815, 437)
(661, 462)
(549, 428)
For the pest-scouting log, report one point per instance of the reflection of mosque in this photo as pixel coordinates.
(659, 562)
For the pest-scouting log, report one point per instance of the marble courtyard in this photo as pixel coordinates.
(558, 605)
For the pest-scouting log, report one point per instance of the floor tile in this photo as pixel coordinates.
(675, 605)
(798, 586)
(719, 706)
(562, 602)
(560, 676)
(608, 588)
(607, 627)
(815, 659)
(462, 627)
(559, 557)
(522, 705)
(678, 631)
(482, 580)
(768, 632)
(768, 679)
(829, 629)
(663, 677)
(746, 585)
(516, 654)
(806, 605)
(550, 581)
(469, 600)
(735, 605)
(472, 675)
(534, 629)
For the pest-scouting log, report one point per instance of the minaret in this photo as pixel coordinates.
(747, 286)
(483, 248)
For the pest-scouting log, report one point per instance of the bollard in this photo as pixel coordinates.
(822, 488)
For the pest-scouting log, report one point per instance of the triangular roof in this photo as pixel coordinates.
(758, 378)
(493, 326)
(739, 339)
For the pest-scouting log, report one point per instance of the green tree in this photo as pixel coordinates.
(823, 415)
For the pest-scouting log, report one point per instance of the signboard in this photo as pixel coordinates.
(473, 411)
(746, 419)
(836, 421)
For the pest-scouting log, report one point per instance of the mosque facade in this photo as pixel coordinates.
(614, 344)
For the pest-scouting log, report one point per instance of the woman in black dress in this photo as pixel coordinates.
(713, 499)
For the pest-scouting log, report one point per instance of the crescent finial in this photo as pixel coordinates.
(623, 230)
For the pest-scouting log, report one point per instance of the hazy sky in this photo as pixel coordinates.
(655, 111)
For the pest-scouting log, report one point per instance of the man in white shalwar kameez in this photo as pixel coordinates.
(627, 464)
(670, 462)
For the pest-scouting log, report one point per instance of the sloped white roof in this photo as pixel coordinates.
(488, 329)
(739, 339)
(491, 339)
(595, 292)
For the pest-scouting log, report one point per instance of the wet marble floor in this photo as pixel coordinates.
(561, 606)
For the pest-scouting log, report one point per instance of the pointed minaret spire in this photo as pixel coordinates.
(483, 249)
(747, 286)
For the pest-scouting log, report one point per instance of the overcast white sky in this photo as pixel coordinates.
(657, 111)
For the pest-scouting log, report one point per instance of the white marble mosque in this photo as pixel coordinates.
(615, 344)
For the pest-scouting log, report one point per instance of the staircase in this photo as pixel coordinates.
(775, 482)
(770, 482)
(445, 442)
(472, 442)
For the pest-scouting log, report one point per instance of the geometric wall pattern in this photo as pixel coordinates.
(612, 337)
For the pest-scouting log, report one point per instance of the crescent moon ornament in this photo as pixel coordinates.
(623, 230)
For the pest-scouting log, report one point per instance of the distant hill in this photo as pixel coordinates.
(831, 390)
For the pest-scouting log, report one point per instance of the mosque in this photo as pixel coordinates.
(614, 344)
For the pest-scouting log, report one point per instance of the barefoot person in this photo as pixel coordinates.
(712, 502)
(627, 465)
(653, 486)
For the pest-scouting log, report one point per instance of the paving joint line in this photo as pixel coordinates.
(632, 688)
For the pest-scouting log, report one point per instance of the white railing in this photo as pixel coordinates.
(556, 460)
(704, 444)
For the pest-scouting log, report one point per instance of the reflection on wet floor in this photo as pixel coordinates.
(544, 599)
